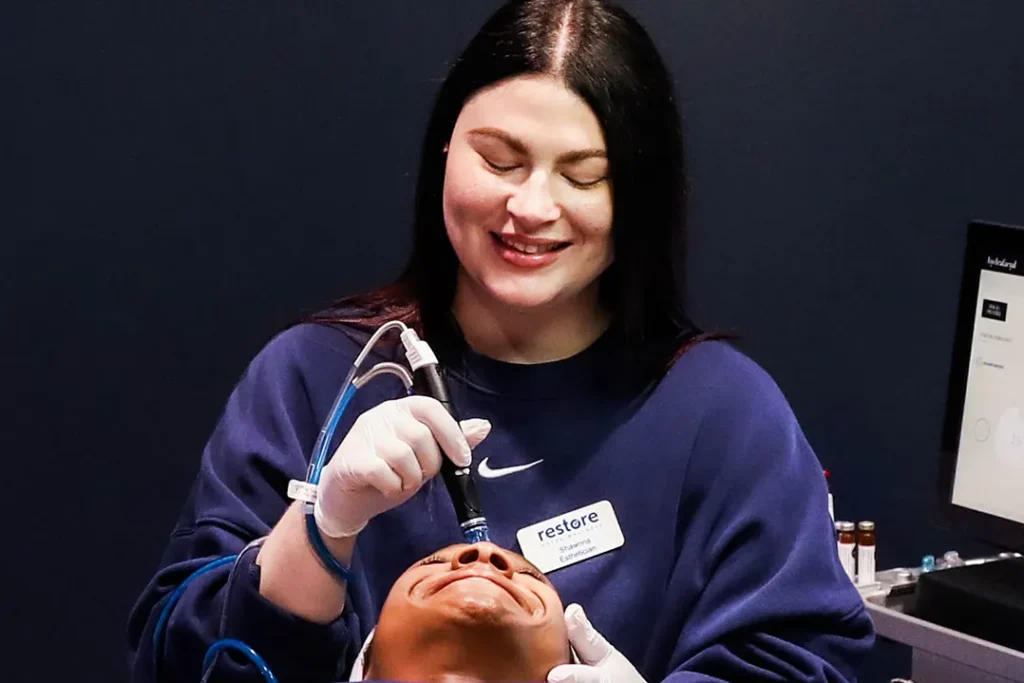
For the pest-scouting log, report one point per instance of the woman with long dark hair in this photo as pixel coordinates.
(550, 211)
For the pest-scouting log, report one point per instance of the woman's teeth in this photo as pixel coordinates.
(529, 248)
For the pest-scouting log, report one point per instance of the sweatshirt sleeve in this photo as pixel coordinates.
(262, 440)
(775, 604)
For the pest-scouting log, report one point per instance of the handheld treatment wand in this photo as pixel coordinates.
(458, 480)
(426, 377)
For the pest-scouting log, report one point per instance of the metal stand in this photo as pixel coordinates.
(940, 655)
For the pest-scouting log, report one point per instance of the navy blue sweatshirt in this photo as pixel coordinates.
(728, 572)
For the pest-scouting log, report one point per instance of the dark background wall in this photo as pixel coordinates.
(184, 178)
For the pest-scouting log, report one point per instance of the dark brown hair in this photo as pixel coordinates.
(612, 64)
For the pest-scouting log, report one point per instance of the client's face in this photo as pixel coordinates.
(470, 612)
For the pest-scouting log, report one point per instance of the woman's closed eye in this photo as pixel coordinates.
(501, 168)
(583, 184)
(580, 183)
(586, 173)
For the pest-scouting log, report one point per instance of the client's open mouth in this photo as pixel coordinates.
(530, 246)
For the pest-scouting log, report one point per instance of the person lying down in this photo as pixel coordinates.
(467, 613)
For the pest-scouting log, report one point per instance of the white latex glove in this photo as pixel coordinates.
(602, 663)
(390, 452)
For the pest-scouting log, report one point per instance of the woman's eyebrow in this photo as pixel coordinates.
(519, 146)
(515, 143)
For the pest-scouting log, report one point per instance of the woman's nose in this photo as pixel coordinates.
(532, 203)
(486, 553)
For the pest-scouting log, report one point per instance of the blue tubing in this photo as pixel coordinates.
(238, 646)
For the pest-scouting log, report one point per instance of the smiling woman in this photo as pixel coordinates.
(658, 476)
(473, 612)
(528, 205)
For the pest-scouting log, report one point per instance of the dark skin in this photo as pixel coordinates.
(470, 613)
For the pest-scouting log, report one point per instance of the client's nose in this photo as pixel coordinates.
(487, 553)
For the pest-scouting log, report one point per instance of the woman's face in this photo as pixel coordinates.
(474, 611)
(527, 201)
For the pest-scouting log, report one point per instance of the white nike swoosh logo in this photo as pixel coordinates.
(487, 473)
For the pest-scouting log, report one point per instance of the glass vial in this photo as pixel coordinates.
(847, 541)
(865, 553)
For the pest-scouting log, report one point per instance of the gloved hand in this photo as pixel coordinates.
(390, 452)
(602, 663)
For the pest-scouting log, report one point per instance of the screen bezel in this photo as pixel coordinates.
(983, 238)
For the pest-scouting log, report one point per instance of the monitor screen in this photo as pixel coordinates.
(983, 473)
(989, 473)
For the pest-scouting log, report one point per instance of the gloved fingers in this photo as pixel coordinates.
(590, 645)
(576, 673)
(445, 429)
(377, 473)
(404, 460)
(420, 458)
(475, 430)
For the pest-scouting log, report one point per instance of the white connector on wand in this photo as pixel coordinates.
(417, 351)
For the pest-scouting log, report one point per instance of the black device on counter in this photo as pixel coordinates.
(981, 482)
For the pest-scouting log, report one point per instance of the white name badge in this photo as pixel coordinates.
(571, 537)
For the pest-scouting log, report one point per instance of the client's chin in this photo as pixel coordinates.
(480, 601)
